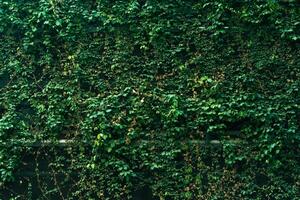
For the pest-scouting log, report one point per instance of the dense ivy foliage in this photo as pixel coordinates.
(144, 88)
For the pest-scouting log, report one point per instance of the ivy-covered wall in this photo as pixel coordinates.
(189, 99)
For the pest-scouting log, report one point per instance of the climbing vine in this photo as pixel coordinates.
(186, 99)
